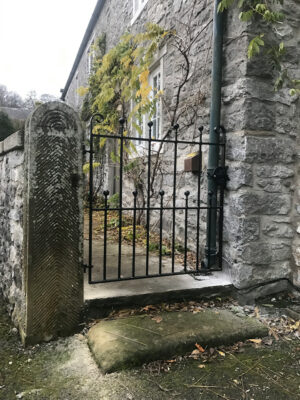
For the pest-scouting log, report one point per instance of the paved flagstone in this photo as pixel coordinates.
(132, 341)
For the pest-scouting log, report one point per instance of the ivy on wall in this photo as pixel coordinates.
(270, 14)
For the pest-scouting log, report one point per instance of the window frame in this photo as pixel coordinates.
(137, 8)
(141, 146)
(90, 56)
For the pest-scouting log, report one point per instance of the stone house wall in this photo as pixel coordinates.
(261, 243)
(262, 212)
(115, 20)
(11, 222)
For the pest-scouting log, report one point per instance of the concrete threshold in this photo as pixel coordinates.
(101, 298)
(106, 296)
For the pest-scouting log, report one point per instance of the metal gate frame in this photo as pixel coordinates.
(220, 176)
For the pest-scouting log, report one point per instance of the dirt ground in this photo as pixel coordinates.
(258, 369)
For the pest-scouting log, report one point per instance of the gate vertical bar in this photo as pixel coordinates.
(209, 211)
(161, 193)
(91, 190)
(187, 193)
(199, 200)
(174, 197)
(134, 232)
(150, 124)
(122, 122)
(106, 193)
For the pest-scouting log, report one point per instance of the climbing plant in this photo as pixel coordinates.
(119, 84)
(270, 14)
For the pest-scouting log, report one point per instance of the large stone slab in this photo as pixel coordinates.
(129, 342)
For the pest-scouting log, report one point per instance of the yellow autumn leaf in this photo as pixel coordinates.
(82, 91)
(256, 341)
(295, 326)
(86, 167)
(221, 353)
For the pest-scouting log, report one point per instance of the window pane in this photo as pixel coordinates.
(154, 132)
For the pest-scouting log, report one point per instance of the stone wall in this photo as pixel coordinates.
(114, 20)
(263, 137)
(11, 223)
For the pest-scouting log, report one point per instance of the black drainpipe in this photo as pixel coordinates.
(213, 155)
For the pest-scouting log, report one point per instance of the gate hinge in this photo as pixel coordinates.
(86, 267)
(220, 175)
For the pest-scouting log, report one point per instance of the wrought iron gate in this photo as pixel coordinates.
(160, 207)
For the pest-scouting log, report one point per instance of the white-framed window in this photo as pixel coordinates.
(138, 6)
(77, 87)
(90, 58)
(156, 82)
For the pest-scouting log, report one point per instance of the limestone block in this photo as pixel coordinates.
(265, 253)
(240, 174)
(241, 229)
(13, 142)
(248, 275)
(296, 253)
(269, 149)
(274, 185)
(258, 202)
(274, 227)
(236, 146)
(274, 171)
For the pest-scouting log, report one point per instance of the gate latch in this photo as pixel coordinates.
(220, 176)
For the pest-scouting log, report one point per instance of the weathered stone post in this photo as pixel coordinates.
(53, 276)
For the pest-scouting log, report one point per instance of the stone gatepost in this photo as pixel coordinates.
(53, 222)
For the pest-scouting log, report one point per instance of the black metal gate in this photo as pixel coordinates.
(160, 207)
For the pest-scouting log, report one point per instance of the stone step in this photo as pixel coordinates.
(129, 342)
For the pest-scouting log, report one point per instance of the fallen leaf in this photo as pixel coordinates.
(171, 361)
(256, 341)
(236, 381)
(201, 366)
(273, 333)
(195, 352)
(295, 326)
(157, 319)
(221, 353)
(268, 341)
(200, 348)
(149, 307)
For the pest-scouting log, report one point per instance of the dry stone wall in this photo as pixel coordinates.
(11, 224)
